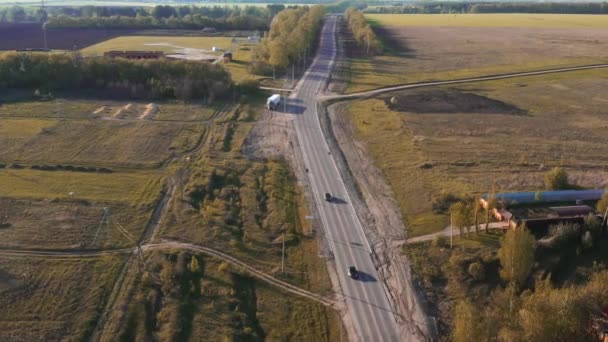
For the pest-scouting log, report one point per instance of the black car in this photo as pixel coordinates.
(352, 272)
(328, 197)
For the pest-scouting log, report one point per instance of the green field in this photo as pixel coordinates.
(168, 44)
(492, 20)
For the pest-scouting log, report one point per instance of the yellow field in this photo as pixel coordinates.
(14, 129)
(138, 188)
(157, 43)
(492, 20)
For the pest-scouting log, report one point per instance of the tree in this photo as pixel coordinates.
(592, 225)
(516, 255)
(602, 204)
(491, 204)
(467, 327)
(476, 209)
(556, 179)
(461, 216)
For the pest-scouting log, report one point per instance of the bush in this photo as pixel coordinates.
(442, 202)
(477, 271)
(560, 234)
(587, 240)
(556, 179)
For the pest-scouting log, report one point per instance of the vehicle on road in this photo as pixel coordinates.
(273, 101)
(352, 272)
(328, 197)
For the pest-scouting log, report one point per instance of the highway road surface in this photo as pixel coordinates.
(366, 299)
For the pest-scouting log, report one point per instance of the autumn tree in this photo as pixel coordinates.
(461, 216)
(467, 327)
(362, 32)
(556, 179)
(516, 255)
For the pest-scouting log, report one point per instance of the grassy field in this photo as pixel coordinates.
(108, 143)
(492, 20)
(53, 299)
(168, 44)
(467, 139)
(64, 224)
(128, 187)
(217, 303)
(437, 52)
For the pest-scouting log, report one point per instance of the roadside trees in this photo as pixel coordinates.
(556, 179)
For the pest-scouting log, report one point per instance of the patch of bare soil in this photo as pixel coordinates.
(448, 101)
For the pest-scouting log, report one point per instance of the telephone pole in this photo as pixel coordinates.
(283, 256)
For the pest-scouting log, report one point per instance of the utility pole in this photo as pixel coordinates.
(604, 219)
(283, 256)
(285, 103)
(451, 231)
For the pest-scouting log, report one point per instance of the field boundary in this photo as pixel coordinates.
(373, 92)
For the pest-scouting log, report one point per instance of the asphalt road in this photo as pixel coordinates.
(366, 299)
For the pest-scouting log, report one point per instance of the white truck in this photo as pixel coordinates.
(273, 101)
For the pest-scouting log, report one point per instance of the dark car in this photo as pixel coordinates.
(352, 272)
(328, 197)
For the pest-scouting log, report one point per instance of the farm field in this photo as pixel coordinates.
(53, 299)
(23, 36)
(178, 173)
(166, 44)
(423, 48)
(105, 143)
(466, 139)
(492, 20)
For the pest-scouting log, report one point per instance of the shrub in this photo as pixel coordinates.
(587, 240)
(560, 234)
(442, 202)
(477, 271)
(556, 179)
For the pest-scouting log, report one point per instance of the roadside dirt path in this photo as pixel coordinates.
(369, 93)
(456, 232)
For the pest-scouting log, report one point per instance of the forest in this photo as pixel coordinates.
(183, 80)
(161, 16)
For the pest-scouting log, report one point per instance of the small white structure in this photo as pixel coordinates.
(216, 49)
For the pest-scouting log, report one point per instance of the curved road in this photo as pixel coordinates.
(366, 299)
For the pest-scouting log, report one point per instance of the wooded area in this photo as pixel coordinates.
(184, 80)
(291, 39)
(362, 31)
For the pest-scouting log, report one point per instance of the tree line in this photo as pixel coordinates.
(161, 16)
(362, 31)
(290, 41)
(183, 80)
(498, 7)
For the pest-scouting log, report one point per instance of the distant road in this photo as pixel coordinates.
(373, 92)
(372, 313)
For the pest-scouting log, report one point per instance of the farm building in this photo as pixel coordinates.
(532, 208)
(134, 54)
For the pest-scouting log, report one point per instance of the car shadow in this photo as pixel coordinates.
(366, 277)
(337, 200)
